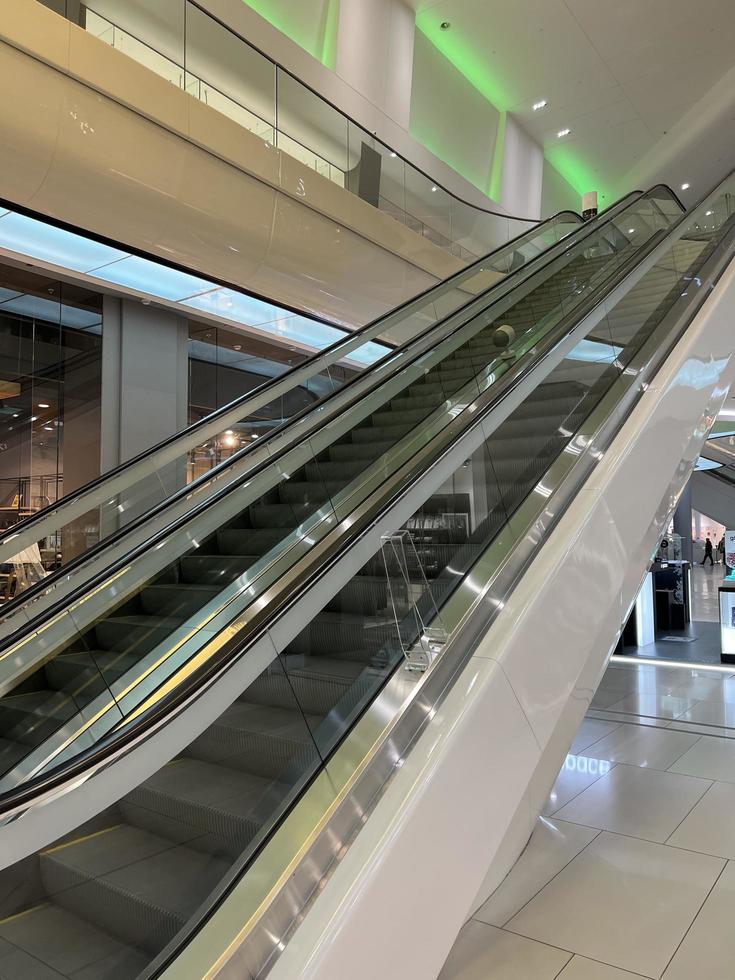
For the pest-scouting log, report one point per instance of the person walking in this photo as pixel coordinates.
(721, 550)
(708, 551)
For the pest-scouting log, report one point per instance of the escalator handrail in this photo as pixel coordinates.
(20, 534)
(121, 740)
(109, 541)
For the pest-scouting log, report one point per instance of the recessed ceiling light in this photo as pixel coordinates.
(539, 105)
(433, 189)
(708, 213)
(685, 187)
(394, 155)
(445, 25)
(43, 405)
(563, 132)
(631, 231)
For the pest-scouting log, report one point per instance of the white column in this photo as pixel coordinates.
(144, 378)
(375, 53)
(522, 171)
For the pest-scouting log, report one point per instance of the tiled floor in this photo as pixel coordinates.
(630, 872)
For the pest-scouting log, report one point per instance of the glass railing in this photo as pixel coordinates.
(131, 886)
(79, 521)
(183, 44)
(133, 493)
(215, 553)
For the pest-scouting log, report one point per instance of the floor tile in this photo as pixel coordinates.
(710, 758)
(604, 697)
(656, 748)
(481, 952)
(708, 950)
(653, 705)
(589, 732)
(710, 827)
(553, 844)
(625, 902)
(710, 713)
(580, 968)
(643, 803)
(577, 773)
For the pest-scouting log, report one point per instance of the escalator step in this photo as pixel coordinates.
(50, 943)
(131, 883)
(204, 806)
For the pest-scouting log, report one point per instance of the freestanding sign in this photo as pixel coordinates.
(730, 549)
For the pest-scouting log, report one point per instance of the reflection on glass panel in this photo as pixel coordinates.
(309, 121)
(50, 363)
(228, 75)
(181, 43)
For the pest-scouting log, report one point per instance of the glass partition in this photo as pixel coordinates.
(177, 40)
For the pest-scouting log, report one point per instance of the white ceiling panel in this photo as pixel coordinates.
(621, 74)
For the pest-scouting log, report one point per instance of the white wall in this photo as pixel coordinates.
(522, 174)
(450, 116)
(375, 50)
(556, 193)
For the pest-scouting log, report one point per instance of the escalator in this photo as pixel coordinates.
(194, 683)
(95, 514)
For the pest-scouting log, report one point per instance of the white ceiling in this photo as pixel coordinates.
(622, 74)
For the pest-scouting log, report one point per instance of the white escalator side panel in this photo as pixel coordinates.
(457, 814)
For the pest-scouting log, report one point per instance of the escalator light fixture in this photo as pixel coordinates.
(566, 132)
(685, 186)
(539, 105)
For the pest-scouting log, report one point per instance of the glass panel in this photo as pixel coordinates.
(311, 130)
(228, 75)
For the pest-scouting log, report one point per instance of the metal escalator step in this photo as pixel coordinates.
(10, 753)
(343, 635)
(31, 718)
(181, 600)
(214, 569)
(48, 942)
(68, 670)
(233, 541)
(317, 682)
(380, 433)
(363, 453)
(303, 493)
(386, 417)
(285, 516)
(207, 807)
(135, 633)
(258, 739)
(129, 882)
(363, 595)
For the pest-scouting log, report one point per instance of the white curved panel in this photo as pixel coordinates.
(116, 156)
(26, 148)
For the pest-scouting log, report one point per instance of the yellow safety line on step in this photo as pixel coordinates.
(18, 915)
(78, 840)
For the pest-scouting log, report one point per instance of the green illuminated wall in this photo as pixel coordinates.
(450, 117)
(312, 24)
(471, 142)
